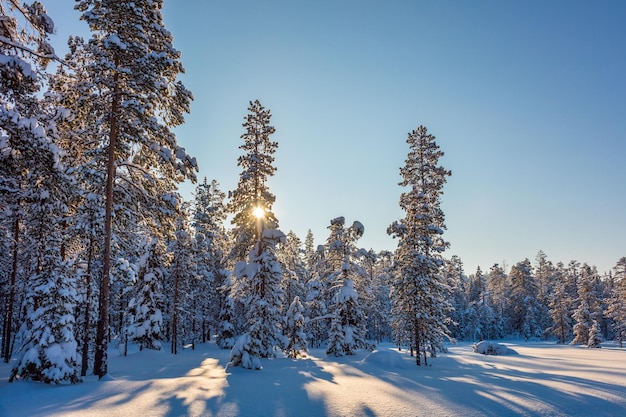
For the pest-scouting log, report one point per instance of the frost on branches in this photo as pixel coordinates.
(294, 330)
(258, 287)
(49, 349)
(420, 291)
(145, 308)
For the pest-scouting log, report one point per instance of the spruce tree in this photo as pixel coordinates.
(420, 292)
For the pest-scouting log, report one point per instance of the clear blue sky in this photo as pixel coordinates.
(526, 98)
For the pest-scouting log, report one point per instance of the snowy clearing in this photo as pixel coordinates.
(541, 379)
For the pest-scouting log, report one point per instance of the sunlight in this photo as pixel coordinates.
(258, 212)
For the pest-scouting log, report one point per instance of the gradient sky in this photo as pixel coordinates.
(526, 98)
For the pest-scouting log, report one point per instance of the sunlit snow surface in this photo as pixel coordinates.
(541, 379)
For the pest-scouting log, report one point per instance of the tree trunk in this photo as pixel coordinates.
(418, 358)
(101, 360)
(85, 350)
(8, 318)
(175, 313)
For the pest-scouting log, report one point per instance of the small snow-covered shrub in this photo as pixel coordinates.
(245, 353)
(490, 348)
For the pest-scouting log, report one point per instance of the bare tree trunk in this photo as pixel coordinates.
(417, 342)
(175, 313)
(85, 349)
(8, 318)
(101, 360)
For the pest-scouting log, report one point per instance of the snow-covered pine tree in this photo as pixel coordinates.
(458, 281)
(347, 328)
(544, 273)
(259, 283)
(523, 299)
(226, 330)
(295, 274)
(294, 330)
(256, 289)
(616, 309)
(211, 242)
(589, 309)
(559, 305)
(420, 293)
(70, 90)
(27, 152)
(49, 349)
(377, 309)
(498, 286)
(309, 250)
(316, 311)
(252, 191)
(145, 308)
(187, 287)
(595, 337)
(134, 67)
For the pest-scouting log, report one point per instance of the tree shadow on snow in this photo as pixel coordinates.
(276, 390)
(496, 388)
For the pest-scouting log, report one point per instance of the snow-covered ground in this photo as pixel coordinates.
(540, 379)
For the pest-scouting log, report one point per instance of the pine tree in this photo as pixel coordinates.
(252, 191)
(347, 327)
(295, 274)
(259, 285)
(523, 299)
(145, 309)
(498, 286)
(616, 309)
(188, 288)
(28, 154)
(134, 67)
(49, 350)
(560, 303)
(544, 273)
(420, 293)
(309, 249)
(589, 309)
(211, 241)
(294, 330)
(348, 323)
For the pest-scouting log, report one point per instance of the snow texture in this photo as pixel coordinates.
(544, 379)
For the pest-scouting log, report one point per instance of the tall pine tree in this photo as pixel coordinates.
(420, 293)
(135, 67)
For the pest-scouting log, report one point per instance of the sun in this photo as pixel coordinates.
(258, 212)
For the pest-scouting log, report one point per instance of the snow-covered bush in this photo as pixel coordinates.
(490, 348)
(245, 353)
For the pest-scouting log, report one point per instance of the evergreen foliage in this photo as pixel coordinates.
(420, 294)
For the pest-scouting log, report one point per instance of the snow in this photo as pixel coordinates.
(543, 379)
(492, 348)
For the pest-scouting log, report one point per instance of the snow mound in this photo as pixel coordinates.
(385, 359)
(491, 348)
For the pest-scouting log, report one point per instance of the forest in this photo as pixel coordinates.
(100, 250)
